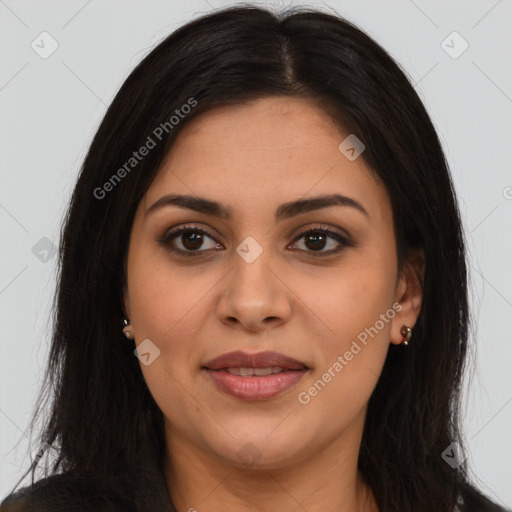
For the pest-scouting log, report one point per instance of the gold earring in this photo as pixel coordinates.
(406, 332)
(126, 329)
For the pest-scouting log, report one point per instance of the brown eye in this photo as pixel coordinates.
(316, 240)
(192, 240)
(189, 241)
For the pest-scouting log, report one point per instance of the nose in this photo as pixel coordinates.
(255, 297)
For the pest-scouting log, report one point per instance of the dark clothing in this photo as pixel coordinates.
(66, 493)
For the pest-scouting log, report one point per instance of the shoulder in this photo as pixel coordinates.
(29, 498)
(16, 503)
(473, 499)
(46, 494)
(68, 493)
(106, 493)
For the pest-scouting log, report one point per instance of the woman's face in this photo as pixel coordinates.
(245, 278)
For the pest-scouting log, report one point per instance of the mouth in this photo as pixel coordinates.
(255, 372)
(258, 361)
(257, 376)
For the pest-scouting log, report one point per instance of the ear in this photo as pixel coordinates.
(127, 329)
(126, 302)
(409, 294)
(125, 296)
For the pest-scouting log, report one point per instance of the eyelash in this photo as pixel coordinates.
(344, 241)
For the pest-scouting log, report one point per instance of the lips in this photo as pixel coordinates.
(265, 359)
(257, 376)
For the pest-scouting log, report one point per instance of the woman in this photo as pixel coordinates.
(265, 219)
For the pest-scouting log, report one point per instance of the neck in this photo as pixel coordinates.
(328, 480)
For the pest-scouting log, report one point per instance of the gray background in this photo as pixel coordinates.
(51, 107)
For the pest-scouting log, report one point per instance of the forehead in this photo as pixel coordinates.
(270, 148)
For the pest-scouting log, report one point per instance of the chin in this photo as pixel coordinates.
(258, 451)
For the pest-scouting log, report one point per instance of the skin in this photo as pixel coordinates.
(253, 158)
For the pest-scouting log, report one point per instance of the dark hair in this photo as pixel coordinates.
(104, 423)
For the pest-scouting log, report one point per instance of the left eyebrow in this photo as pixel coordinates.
(293, 208)
(284, 211)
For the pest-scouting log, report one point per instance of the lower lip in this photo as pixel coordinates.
(255, 388)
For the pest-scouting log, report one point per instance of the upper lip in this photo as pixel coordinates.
(266, 359)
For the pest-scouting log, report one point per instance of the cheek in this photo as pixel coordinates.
(350, 297)
(161, 296)
(168, 309)
(357, 308)
(355, 303)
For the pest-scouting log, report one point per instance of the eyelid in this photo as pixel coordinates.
(344, 240)
(211, 232)
(174, 233)
(322, 227)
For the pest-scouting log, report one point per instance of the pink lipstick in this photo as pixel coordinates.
(258, 376)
